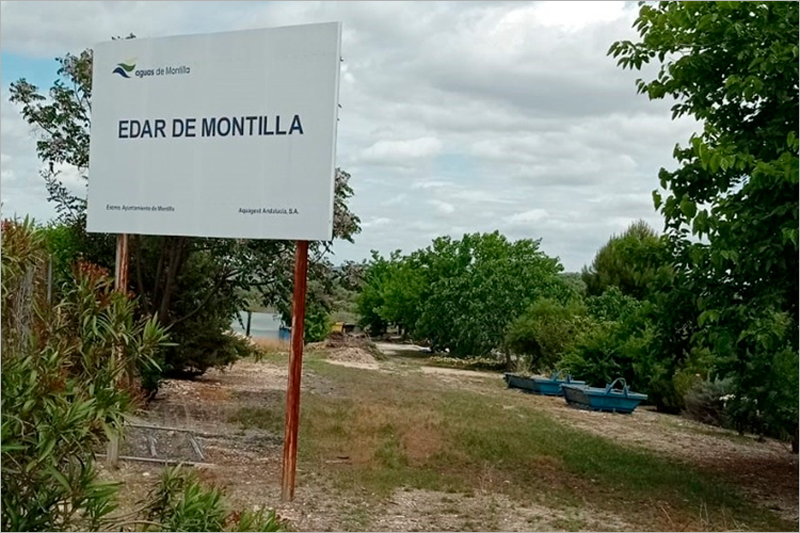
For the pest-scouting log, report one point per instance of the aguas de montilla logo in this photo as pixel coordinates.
(129, 67)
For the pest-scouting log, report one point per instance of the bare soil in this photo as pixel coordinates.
(246, 458)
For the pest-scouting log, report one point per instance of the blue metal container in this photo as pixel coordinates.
(539, 385)
(599, 399)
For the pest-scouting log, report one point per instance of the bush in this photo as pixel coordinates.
(181, 503)
(545, 331)
(317, 323)
(704, 401)
(608, 350)
(200, 317)
(612, 306)
(62, 366)
(599, 358)
(68, 379)
(63, 245)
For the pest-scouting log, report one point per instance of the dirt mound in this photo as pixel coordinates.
(348, 348)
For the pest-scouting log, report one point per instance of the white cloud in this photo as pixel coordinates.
(574, 16)
(527, 217)
(392, 152)
(442, 207)
(432, 184)
(376, 222)
(456, 116)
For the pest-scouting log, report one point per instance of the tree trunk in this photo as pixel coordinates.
(159, 271)
(139, 278)
(175, 261)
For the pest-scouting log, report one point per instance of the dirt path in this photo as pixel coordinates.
(237, 419)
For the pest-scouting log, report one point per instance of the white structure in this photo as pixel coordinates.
(220, 135)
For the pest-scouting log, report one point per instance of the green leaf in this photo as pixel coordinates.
(688, 207)
(59, 477)
(656, 199)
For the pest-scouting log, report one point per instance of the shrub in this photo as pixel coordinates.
(704, 401)
(62, 367)
(63, 243)
(545, 331)
(180, 503)
(598, 357)
(608, 350)
(68, 374)
(317, 323)
(199, 319)
(612, 305)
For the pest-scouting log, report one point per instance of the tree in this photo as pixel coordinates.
(194, 285)
(478, 285)
(370, 299)
(546, 331)
(628, 261)
(734, 67)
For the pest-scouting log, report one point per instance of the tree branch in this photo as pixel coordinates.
(212, 292)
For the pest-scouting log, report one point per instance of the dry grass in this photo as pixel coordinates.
(419, 432)
(270, 345)
(403, 450)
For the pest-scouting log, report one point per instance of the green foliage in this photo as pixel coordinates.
(392, 292)
(574, 281)
(63, 244)
(596, 358)
(195, 286)
(612, 305)
(704, 401)
(628, 262)
(181, 503)
(545, 331)
(615, 340)
(478, 285)
(317, 323)
(371, 298)
(61, 369)
(347, 283)
(402, 291)
(734, 67)
(67, 384)
(202, 316)
(459, 295)
(763, 364)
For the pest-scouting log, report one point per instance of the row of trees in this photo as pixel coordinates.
(194, 286)
(459, 295)
(705, 311)
(731, 209)
(632, 314)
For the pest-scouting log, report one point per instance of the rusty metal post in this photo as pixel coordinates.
(292, 421)
(120, 284)
(121, 265)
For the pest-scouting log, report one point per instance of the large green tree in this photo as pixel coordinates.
(474, 287)
(733, 66)
(629, 262)
(194, 285)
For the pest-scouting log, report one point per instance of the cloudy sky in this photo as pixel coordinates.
(456, 117)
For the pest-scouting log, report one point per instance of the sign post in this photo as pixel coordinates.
(226, 135)
(292, 420)
(120, 285)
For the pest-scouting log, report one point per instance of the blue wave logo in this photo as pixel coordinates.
(124, 69)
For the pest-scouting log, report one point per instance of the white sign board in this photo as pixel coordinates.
(220, 135)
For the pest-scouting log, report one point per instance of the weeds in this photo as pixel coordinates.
(472, 443)
(69, 375)
(258, 417)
